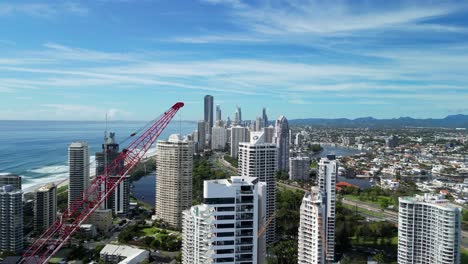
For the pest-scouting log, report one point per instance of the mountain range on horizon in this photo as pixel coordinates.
(450, 121)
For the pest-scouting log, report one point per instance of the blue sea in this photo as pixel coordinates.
(37, 150)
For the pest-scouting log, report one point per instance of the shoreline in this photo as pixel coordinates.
(65, 181)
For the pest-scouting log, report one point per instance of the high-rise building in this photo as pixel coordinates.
(264, 118)
(429, 230)
(218, 113)
(311, 238)
(299, 139)
(209, 112)
(258, 159)
(299, 168)
(119, 199)
(10, 179)
(201, 135)
(219, 138)
(228, 122)
(225, 228)
(174, 163)
(45, 207)
(78, 162)
(392, 141)
(281, 139)
(11, 217)
(238, 134)
(237, 116)
(258, 124)
(328, 171)
(269, 134)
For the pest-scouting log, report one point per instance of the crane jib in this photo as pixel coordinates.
(68, 223)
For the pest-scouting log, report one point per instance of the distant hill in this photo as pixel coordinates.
(451, 121)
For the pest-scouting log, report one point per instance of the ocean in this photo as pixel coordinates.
(37, 150)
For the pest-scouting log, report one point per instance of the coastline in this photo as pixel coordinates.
(64, 182)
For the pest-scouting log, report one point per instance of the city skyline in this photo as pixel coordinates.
(360, 58)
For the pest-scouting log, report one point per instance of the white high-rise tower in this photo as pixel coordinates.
(78, 162)
(311, 242)
(328, 171)
(258, 159)
(11, 217)
(225, 228)
(429, 230)
(174, 163)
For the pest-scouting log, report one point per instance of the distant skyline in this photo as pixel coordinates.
(77, 60)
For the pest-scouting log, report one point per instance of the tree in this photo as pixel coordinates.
(379, 257)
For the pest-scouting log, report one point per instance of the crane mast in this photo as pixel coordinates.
(68, 223)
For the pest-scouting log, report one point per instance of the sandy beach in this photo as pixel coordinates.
(64, 182)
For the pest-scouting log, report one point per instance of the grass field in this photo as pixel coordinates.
(464, 256)
(363, 211)
(376, 202)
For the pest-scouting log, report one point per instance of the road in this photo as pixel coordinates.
(390, 216)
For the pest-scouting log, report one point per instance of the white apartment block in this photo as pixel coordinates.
(174, 163)
(78, 162)
(11, 218)
(328, 171)
(312, 243)
(429, 230)
(225, 228)
(238, 134)
(299, 168)
(258, 159)
(218, 138)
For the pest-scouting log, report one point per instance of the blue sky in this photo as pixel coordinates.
(77, 60)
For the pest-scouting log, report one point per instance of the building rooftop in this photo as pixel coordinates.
(428, 198)
(46, 187)
(125, 251)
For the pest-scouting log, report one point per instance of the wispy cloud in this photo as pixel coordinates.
(42, 9)
(84, 112)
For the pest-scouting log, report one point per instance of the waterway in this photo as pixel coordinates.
(145, 188)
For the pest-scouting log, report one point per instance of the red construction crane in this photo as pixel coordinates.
(50, 242)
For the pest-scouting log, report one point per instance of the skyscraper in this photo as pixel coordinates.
(10, 179)
(258, 124)
(218, 113)
(11, 218)
(311, 238)
(237, 116)
(174, 163)
(119, 199)
(269, 133)
(328, 171)
(281, 139)
(258, 159)
(219, 138)
(209, 112)
(225, 228)
(78, 162)
(45, 207)
(429, 230)
(238, 134)
(264, 118)
(201, 135)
